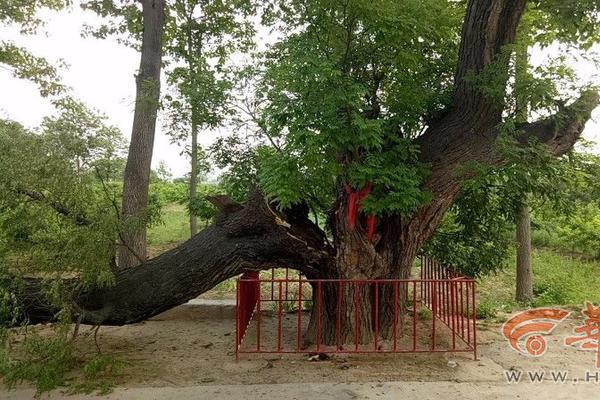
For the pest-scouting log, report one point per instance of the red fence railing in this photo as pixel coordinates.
(451, 299)
(432, 313)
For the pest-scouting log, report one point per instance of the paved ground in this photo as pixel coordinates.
(344, 391)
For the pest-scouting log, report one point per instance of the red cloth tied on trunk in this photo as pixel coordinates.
(355, 197)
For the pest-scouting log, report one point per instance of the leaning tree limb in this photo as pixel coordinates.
(244, 237)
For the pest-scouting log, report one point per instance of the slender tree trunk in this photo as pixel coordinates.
(524, 284)
(136, 179)
(524, 272)
(191, 54)
(194, 174)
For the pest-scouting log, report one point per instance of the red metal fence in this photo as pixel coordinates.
(432, 313)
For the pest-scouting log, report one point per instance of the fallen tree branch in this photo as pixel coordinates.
(250, 238)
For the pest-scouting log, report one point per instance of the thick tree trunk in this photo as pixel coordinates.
(348, 313)
(136, 179)
(524, 290)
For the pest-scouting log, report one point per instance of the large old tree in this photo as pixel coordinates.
(414, 153)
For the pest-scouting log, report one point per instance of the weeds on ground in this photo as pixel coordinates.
(559, 280)
(50, 361)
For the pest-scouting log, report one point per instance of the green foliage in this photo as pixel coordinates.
(18, 59)
(240, 160)
(574, 22)
(486, 310)
(25, 65)
(572, 225)
(552, 292)
(338, 91)
(120, 19)
(43, 360)
(425, 314)
(25, 13)
(283, 177)
(396, 176)
(476, 236)
(49, 360)
(98, 375)
(57, 202)
(169, 192)
(200, 206)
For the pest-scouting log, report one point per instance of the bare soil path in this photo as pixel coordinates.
(187, 352)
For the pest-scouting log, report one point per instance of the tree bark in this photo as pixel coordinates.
(194, 174)
(524, 278)
(136, 179)
(524, 292)
(191, 53)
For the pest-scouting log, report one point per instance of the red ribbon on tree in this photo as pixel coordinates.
(355, 197)
(371, 223)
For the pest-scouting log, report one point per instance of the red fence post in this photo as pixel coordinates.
(434, 312)
(319, 314)
(376, 315)
(247, 298)
(299, 338)
(474, 320)
(395, 333)
(237, 319)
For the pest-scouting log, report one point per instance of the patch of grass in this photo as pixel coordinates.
(425, 314)
(174, 228)
(486, 310)
(558, 280)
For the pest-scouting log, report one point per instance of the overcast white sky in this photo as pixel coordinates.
(101, 73)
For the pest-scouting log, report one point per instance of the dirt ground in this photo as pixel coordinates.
(194, 345)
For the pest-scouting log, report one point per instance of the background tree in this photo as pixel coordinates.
(201, 38)
(136, 179)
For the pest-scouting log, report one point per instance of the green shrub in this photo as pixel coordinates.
(552, 292)
(486, 310)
